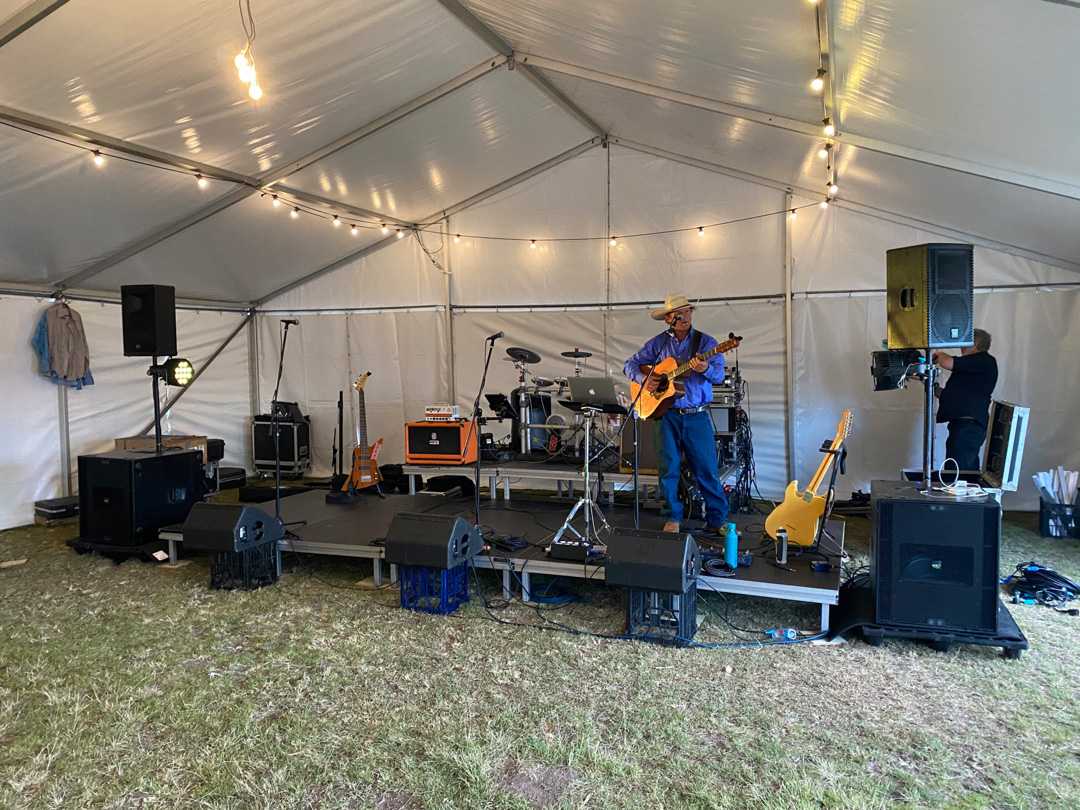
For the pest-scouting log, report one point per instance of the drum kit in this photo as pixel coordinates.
(534, 421)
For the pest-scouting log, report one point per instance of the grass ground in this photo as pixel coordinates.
(135, 686)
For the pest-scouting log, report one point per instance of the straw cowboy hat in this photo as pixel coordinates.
(671, 303)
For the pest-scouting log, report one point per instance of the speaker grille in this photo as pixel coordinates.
(950, 319)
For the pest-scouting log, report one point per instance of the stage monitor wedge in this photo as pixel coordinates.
(431, 541)
(930, 300)
(149, 320)
(651, 560)
(229, 527)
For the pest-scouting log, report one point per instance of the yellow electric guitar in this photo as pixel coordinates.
(653, 405)
(365, 461)
(800, 511)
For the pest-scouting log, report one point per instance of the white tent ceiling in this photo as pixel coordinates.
(961, 116)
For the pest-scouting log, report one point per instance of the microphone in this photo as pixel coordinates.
(495, 337)
(291, 321)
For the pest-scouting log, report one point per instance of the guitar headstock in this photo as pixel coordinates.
(844, 426)
(732, 342)
(360, 381)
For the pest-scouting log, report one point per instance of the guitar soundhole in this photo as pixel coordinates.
(663, 386)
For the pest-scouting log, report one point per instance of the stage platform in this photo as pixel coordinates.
(350, 530)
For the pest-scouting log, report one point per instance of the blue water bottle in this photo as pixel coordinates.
(731, 547)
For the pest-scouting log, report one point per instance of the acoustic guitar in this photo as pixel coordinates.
(653, 405)
(801, 510)
(365, 460)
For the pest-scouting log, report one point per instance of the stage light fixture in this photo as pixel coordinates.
(818, 83)
(179, 371)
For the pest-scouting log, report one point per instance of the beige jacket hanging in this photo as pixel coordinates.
(69, 353)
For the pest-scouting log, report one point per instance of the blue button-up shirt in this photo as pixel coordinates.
(698, 385)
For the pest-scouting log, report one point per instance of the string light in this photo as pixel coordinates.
(99, 159)
(701, 230)
(823, 152)
(532, 243)
(295, 213)
(384, 229)
(245, 60)
(201, 181)
(827, 127)
(613, 241)
(255, 91)
(823, 204)
(400, 233)
(337, 221)
(818, 82)
(275, 201)
(457, 238)
(792, 213)
(833, 189)
(354, 230)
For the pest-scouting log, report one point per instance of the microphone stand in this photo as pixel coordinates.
(276, 427)
(490, 344)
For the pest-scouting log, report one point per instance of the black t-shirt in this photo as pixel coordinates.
(967, 393)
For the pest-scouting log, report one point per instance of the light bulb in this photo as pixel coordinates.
(532, 243)
(700, 231)
(353, 230)
(818, 82)
(275, 201)
(400, 233)
(613, 241)
(255, 91)
(201, 181)
(823, 152)
(294, 213)
(813, 2)
(99, 159)
(457, 238)
(241, 61)
(384, 229)
(833, 189)
(247, 74)
(793, 213)
(828, 128)
(823, 204)
(337, 221)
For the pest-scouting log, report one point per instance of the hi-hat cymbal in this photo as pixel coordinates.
(520, 355)
(577, 354)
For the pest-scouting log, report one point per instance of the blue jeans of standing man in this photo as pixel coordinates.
(692, 434)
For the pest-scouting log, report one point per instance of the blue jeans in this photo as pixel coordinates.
(691, 434)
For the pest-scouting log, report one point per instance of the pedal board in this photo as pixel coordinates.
(569, 551)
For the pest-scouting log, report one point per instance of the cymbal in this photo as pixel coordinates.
(577, 354)
(543, 382)
(520, 355)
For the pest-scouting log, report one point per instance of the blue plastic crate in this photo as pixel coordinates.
(433, 590)
(662, 618)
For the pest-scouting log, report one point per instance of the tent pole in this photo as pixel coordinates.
(253, 365)
(64, 429)
(607, 253)
(199, 372)
(789, 366)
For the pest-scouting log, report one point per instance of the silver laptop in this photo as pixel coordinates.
(593, 391)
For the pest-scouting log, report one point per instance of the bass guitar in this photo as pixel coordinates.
(801, 510)
(654, 404)
(365, 460)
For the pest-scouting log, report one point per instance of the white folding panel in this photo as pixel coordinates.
(737, 143)
(990, 81)
(760, 55)
(651, 194)
(843, 249)
(120, 403)
(405, 353)
(240, 254)
(451, 149)
(395, 276)
(28, 411)
(61, 212)
(566, 201)
(162, 74)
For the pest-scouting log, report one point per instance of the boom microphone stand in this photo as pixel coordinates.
(489, 343)
(274, 424)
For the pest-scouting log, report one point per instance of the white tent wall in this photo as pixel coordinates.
(404, 351)
(120, 402)
(29, 413)
(1035, 333)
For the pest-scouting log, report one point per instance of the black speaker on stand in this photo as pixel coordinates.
(149, 318)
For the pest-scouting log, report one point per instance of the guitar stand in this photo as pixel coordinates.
(838, 468)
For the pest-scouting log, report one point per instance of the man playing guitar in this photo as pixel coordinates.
(687, 426)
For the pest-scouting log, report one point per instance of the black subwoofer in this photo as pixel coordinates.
(934, 559)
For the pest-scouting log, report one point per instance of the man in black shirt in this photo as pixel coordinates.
(965, 400)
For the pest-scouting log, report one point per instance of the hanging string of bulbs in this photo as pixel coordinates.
(245, 60)
(829, 148)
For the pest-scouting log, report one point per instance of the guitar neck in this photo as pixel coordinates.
(719, 348)
(361, 421)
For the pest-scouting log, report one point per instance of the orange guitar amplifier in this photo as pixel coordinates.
(452, 442)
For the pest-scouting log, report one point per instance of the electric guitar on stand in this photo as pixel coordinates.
(653, 405)
(365, 459)
(801, 511)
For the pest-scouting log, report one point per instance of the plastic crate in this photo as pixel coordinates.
(1058, 519)
(662, 618)
(433, 590)
(244, 570)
